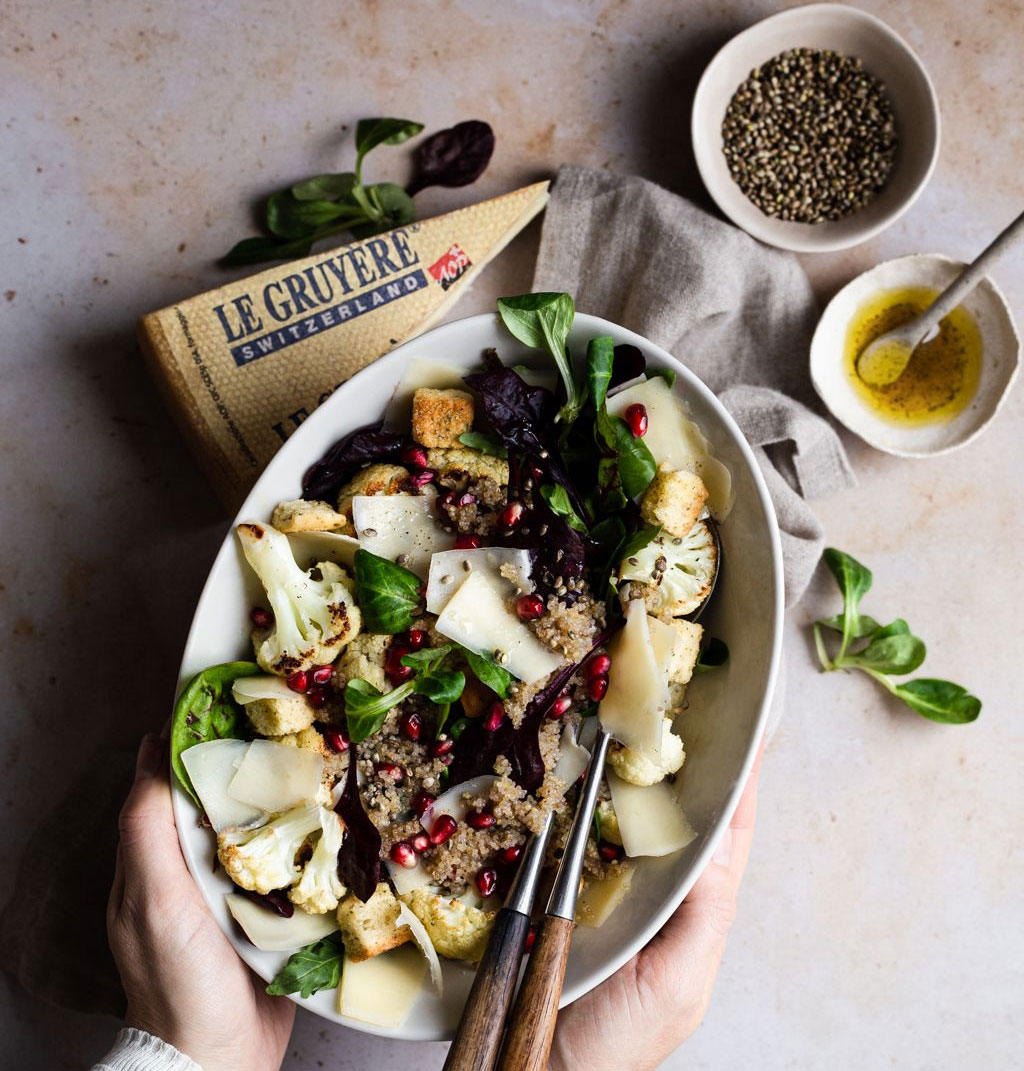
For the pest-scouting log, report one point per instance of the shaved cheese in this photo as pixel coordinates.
(448, 571)
(269, 932)
(676, 441)
(308, 548)
(637, 696)
(406, 879)
(667, 643)
(275, 777)
(426, 946)
(651, 821)
(393, 525)
(211, 767)
(572, 759)
(451, 802)
(422, 372)
(476, 616)
(264, 686)
(601, 896)
(382, 990)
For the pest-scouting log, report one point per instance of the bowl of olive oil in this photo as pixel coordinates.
(957, 378)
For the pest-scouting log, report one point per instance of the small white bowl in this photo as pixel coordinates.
(727, 712)
(1000, 357)
(885, 55)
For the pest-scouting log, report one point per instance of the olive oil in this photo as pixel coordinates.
(942, 376)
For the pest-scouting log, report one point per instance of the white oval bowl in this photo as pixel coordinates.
(999, 360)
(728, 708)
(885, 55)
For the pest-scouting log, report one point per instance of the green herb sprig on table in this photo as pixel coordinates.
(882, 651)
(325, 205)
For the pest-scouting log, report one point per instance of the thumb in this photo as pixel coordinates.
(149, 841)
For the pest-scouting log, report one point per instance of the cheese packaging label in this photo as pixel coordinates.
(242, 366)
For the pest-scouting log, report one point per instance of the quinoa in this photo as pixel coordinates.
(570, 629)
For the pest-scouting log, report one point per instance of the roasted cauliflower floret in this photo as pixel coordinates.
(475, 464)
(276, 717)
(439, 417)
(639, 769)
(302, 516)
(673, 500)
(456, 930)
(307, 738)
(378, 479)
(263, 859)
(681, 669)
(315, 613)
(319, 889)
(370, 928)
(672, 574)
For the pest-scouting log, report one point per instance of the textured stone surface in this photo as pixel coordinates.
(880, 920)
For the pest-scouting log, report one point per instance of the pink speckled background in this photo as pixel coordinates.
(880, 923)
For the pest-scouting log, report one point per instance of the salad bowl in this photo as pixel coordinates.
(727, 709)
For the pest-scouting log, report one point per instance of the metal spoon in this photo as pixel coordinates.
(884, 361)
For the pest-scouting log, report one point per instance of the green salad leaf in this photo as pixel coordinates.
(206, 710)
(366, 707)
(314, 967)
(636, 462)
(488, 672)
(486, 444)
(557, 498)
(388, 594)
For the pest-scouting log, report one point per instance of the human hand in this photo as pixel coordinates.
(656, 1001)
(184, 981)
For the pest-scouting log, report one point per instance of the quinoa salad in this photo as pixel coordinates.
(460, 592)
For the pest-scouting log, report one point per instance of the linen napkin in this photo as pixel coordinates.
(737, 313)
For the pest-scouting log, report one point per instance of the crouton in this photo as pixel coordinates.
(307, 738)
(673, 500)
(364, 657)
(373, 480)
(685, 655)
(372, 928)
(279, 717)
(473, 463)
(301, 516)
(439, 417)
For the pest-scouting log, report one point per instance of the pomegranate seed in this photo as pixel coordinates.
(536, 472)
(486, 880)
(510, 515)
(316, 697)
(560, 706)
(446, 760)
(480, 819)
(466, 499)
(467, 542)
(495, 716)
(446, 498)
(403, 854)
(417, 638)
(636, 418)
(396, 672)
(321, 674)
(421, 803)
(441, 746)
(510, 856)
(597, 688)
(609, 852)
(421, 842)
(411, 724)
(415, 455)
(261, 618)
(298, 681)
(598, 666)
(390, 771)
(442, 829)
(337, 741)
(531, 937)
(529, 607)
(422, 478)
